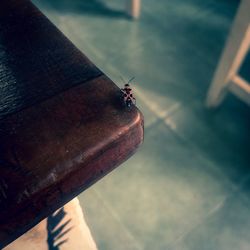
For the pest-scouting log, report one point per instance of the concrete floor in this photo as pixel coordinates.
(188, 186)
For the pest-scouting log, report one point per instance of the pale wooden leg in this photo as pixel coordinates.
(134, 8)
(78, 235)
(232, 57)
(35, 238)
(74, 232)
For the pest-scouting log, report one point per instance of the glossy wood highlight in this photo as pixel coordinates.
(62, 122)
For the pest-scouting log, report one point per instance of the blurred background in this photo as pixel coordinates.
(188, 186)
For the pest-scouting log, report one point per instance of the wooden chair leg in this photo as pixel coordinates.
(232, 56)
(70, 232)
(134, 8)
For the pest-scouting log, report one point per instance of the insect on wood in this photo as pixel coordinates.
(127, 95)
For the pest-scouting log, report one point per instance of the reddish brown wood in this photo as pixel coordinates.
(62, 124)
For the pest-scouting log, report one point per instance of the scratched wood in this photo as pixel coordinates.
(62, 123)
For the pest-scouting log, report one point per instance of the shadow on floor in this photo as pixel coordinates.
(88, 7)
(57, 235)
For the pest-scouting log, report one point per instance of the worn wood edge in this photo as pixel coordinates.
(125, 115)
(90, 178)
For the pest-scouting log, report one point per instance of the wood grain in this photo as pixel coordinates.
(62, 122)
(37, 60)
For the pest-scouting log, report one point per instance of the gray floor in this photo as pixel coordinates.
(188, 187)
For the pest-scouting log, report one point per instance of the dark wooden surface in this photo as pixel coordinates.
(62, 124)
